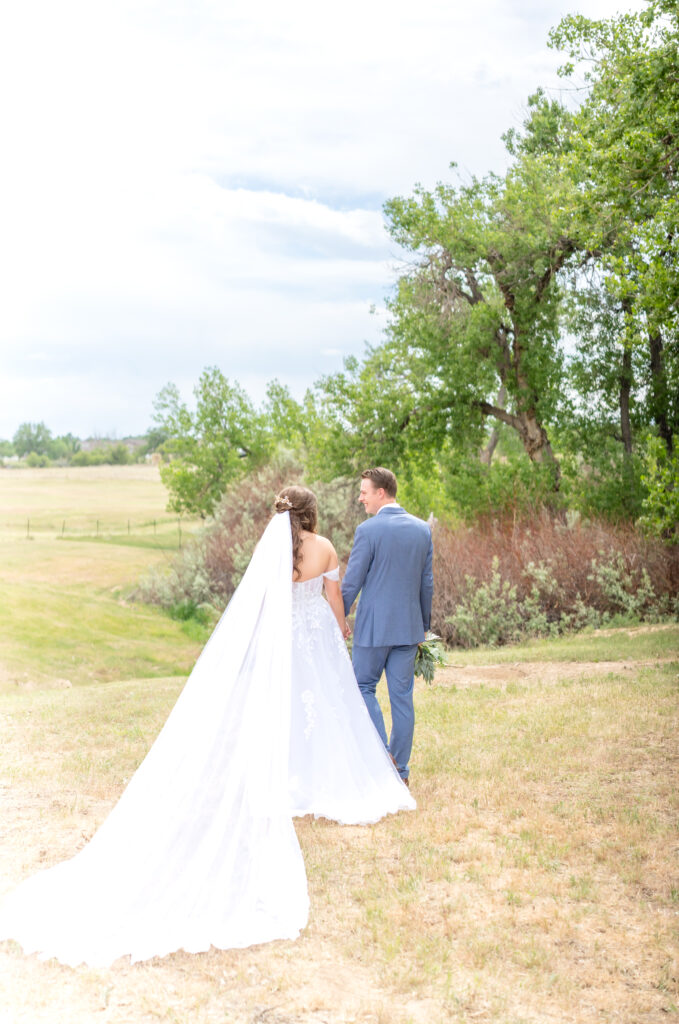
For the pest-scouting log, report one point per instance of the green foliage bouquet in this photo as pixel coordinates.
(430, 656)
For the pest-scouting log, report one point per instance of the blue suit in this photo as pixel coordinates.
(391, 565)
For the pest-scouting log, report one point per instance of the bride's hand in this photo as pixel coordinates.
(347, 631)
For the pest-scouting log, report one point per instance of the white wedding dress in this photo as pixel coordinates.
(200, 850)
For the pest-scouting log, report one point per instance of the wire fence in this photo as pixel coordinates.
(167, 532)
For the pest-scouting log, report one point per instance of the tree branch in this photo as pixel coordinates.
(500, 414)
(476, 293)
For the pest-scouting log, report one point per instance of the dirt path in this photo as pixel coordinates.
(531, 673)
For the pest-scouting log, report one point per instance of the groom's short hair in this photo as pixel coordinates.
(381, 477)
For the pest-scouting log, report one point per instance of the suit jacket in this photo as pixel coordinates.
(391, 565)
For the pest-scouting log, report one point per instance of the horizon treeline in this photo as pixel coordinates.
(36, 446)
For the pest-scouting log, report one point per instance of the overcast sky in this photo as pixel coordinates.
(194, 183)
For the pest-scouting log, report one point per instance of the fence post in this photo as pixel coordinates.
(63, 527)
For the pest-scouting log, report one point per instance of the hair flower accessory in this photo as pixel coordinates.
(284, 501)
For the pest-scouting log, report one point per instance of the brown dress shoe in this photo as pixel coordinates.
(393, 759)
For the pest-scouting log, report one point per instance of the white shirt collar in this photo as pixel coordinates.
(392, 504)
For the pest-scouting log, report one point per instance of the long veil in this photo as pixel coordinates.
(200, 850)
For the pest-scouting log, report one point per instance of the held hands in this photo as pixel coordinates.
(346, 631)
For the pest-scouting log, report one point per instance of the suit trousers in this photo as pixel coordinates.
(397, 663)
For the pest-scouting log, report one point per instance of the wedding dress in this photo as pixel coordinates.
(201, 850)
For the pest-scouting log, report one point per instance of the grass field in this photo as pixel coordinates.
(64, 591)
(538, 880)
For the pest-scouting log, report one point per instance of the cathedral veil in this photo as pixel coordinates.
(200, 850)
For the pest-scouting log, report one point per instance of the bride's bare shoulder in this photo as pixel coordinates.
(318, 552)
(315, 540)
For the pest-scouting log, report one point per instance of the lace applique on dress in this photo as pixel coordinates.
(309, 701)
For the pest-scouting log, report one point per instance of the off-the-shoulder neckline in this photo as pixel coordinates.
(319, 577)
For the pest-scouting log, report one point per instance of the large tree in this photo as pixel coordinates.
(624, 158)
(475, 334)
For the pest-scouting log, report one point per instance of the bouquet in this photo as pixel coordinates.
(430, 656)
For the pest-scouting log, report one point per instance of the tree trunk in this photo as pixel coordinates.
(486, 454)
(659, 394)
(625, 389)
(533, 436)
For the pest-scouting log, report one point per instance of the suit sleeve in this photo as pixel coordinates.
(357, 569)
(427, 587)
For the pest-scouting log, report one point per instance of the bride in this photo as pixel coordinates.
(200, 849)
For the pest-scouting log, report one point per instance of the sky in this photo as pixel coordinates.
(187, 184)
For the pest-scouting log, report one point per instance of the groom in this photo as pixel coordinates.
(390, 564)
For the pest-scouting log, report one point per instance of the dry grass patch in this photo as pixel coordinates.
(538, 880)
(80, 495)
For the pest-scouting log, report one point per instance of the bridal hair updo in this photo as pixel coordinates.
(301, 503)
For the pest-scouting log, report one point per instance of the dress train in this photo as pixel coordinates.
(200, 850)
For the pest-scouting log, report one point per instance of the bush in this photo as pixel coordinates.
(605, 483)
(36, 461)
(502, 580)
(661, 477)
(209, 569)
(105, 455)
(510, 485)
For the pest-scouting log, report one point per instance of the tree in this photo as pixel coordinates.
(285, 418)
(208, 448)
(475, 332)
(32, 437)
(624, 157)
(64, 447)
(154, 439)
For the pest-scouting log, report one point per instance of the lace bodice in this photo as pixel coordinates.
(312, 617)
(309, 589)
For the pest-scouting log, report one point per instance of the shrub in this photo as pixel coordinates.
(505, 579)
(661, 477)
(118, 454)
(209, 568)
(36, 461)
(488, 613)
(105, 455)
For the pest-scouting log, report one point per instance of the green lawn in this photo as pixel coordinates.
(67, 612)
(594, 645)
